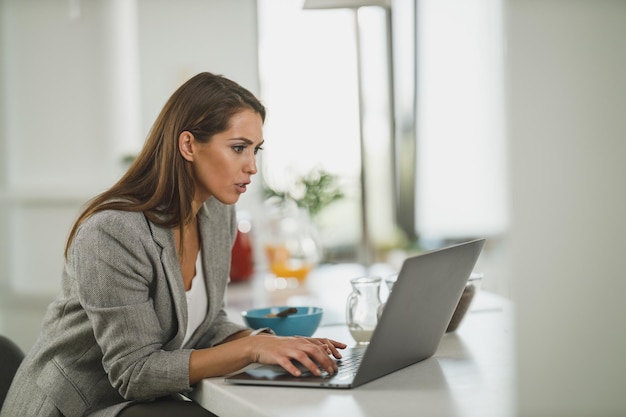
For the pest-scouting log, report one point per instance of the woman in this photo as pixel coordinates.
(140, 316)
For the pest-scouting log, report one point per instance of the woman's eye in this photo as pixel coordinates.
(242, 148)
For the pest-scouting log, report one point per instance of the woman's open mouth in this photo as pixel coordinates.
(241, 187)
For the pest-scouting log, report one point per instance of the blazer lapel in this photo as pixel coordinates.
(214, 231)
(164, 237)
(208, 233)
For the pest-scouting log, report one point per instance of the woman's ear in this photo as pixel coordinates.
(185, 142)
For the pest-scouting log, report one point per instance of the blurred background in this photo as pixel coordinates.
(439, 120)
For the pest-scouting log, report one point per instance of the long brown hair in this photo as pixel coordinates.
(159, 182)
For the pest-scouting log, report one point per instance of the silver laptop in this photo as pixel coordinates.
(410, 329)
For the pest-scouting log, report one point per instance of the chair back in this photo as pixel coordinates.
(11, 357)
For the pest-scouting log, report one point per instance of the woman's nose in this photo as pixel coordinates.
(251, 165)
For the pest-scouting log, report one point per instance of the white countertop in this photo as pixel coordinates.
(472, 374)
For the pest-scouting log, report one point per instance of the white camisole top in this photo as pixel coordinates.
(197, 300)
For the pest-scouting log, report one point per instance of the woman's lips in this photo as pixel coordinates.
(241, 187)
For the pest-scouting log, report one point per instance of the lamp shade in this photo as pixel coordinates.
(343, 4)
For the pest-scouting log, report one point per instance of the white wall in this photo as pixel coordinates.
(70, 109)
(4, 244)
(567, 94)
(461, 174)
(178, 39)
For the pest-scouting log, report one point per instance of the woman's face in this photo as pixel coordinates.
(223, 166)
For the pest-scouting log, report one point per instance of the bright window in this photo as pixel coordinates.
(309, 85)
(309, 81)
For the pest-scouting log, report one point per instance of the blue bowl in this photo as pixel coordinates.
(302, 323)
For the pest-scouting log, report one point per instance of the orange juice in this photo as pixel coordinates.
(282, 265)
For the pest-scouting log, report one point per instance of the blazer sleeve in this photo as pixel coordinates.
(221, 328)
(117, 269)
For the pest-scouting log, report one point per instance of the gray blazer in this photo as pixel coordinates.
(114, 333)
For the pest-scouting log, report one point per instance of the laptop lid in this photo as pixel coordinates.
(410, 328)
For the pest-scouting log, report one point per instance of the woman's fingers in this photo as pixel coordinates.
(313, 366)
(310, 353)
(333, 346)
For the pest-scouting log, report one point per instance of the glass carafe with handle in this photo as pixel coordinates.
(362, 307)
(390, 281)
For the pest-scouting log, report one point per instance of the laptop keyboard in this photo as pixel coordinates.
(347, 365)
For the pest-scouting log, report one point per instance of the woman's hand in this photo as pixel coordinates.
(312, 353)
(240, 350)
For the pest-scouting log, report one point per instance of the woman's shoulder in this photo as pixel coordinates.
(116, 222)
(113, 234)
(116, 216)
